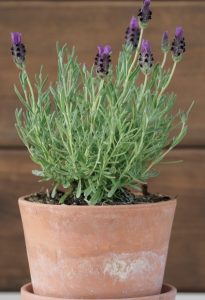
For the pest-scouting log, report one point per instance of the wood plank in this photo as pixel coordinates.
(87, 24)
(186, 261)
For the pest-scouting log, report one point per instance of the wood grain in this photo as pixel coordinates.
(87, 24)
(186, 261)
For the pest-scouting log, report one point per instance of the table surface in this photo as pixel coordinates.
(186, 296)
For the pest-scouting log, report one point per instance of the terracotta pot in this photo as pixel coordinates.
(97, 251)
(168, 293)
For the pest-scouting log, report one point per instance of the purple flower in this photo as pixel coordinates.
(18, 50)
(178, 44)
(145, 14)
(146, 57)
(16, 38)
(132, 33)
(102, 60)
(179, 32)
(133, 22)
(165, 42)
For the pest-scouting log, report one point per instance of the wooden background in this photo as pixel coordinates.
(87, 24)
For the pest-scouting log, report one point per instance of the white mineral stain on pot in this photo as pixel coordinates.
(120, 267)
(124, 266)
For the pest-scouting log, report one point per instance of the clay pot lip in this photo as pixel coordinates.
(171, 202)
(170, 290)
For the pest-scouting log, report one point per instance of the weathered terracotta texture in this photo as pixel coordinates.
(97, 251)
(168, 293)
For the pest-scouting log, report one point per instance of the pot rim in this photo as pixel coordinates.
(27, 289)
(172, 201)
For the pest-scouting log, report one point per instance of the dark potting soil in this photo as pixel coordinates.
(121, 197)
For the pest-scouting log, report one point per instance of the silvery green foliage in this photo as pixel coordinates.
(94, 135)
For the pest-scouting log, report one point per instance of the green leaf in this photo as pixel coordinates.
(78, 191)
(38, 173)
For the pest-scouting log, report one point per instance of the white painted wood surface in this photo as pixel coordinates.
(187, 296)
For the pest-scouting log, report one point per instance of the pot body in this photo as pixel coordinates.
(168, 293)
(97, 251)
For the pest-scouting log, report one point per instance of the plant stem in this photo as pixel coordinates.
(164, 60)
(30, 87)
(168, 81)
(134, 60)
(53, 193)
(164, 154)
(65, 195)
(144, 86)
(95, 104)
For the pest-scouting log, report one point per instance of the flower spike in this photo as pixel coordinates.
(145, 14)
(18, 50)
(178, 44)
(102, 60)
(146, 58)
(132, 34)
(16, 38)
(165, 46)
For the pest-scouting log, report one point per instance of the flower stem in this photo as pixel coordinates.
(168, 81)
(144, 85)
(95, 103)
(164, 60)
(30, 87)
(135, 58)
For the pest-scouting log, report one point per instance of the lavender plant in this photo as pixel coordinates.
(97, 131)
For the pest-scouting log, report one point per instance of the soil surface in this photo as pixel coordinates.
(121, 197)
